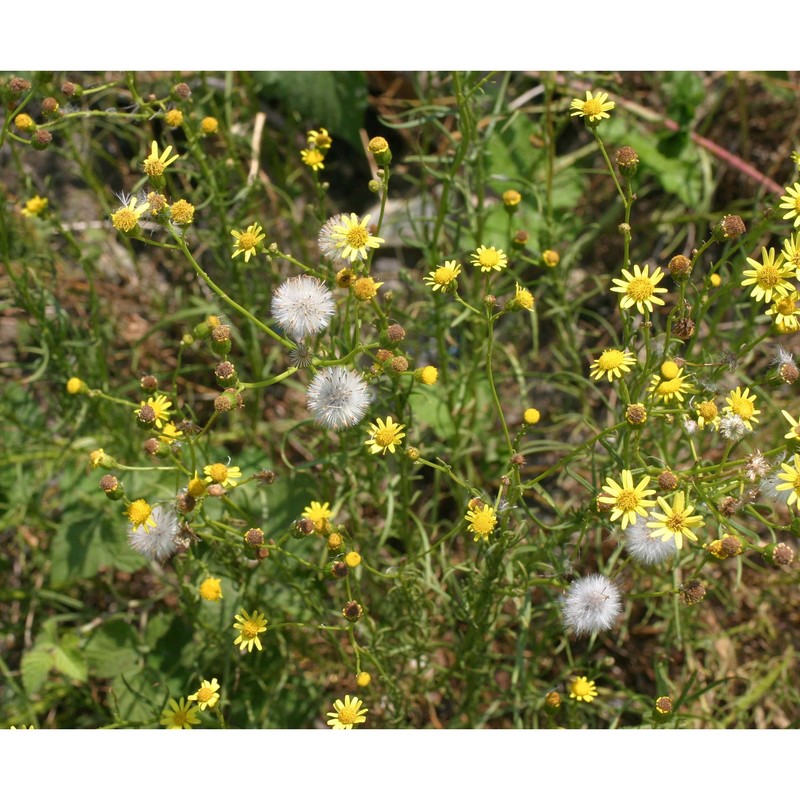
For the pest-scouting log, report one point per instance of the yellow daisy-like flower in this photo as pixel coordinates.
(155, 164)
(743, 404)
(313, 158)
(522, 298)
(219, 473)
(182, 212)
(347, 713)
(321, 139)
(707, 414)
(159, 404)
(769, 278)
(791, 253)
(791, 200)
(35, 206)
(628, 500)
(791, 474)
(428, 375)
(794, 426)
(207, 695)
(443, 277)
(676, 521)
(593, 108)
(482, 520)
(318, 514)
(126, 218)
(174, 118)
(384, 436)
(674, 388)
(354, 239)
(181, 715)
(140, 512)
(366, 288)
(211, 590)
(785, 310)
(489, 258)
(209, 125)
(639, 289)
(247, 241)
(170, 433)
(611, 364)
(249, 626)
(582, 690)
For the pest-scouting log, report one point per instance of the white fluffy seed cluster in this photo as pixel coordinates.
(644, 548)
(328, 244)
(303, 306)
(157, 543)
(592, 604)
(338, 397)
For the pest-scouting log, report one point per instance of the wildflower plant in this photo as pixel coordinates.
(500, 390)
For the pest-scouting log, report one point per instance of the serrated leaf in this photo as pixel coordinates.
(35, 667)
(112, 649)
(69, 661)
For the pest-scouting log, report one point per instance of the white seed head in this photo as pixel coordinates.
(338, 397)
(591, 604)
(157, 543)
(302, 306)
(644, 548)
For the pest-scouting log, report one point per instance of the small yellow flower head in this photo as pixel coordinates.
(157, 203)
(155, 164)
(612, 364)
(363, 679)
(126, 218)
(443, 277)
(639, 289)
(182, 213)
(181, 716)
(427, 375)
(174, 119)
(211, 590)
(791, 477)
(207, 695)
(511, 198)
(314, 159)
(76, 386)
(636, 414)
(707, 414)
(249, 627)
(347, 713)
(345, 278)
(352, 559)
(384, 436)
(791, 201)
(321, 140)
(247, 241)
(139, 512)
(785, 310)
(489, 258)
(353, 238)
(582, 690)
(196, 486)
(335, 541)
(412, 453)
(482, 520)
(716, 280)
(366, 288)
(99, 458)
(663, 706)
(222, 475)
(629, 501)
(319, 515)
(743, 404)
(23, 122)
(377, 145)
(209, 126)
(676, 521)
(531, 416)
(522, 300)
(768, 278)
(35, 207)
(670, 370)
(674, 388)
(551, 258)
(593, 109)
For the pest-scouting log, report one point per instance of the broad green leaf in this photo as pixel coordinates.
(35, 667)
(68, 659)
(112, 649)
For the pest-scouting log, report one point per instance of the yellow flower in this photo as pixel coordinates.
(170, 433)
(582, 690)
(352, 559)
(76, 386)
(675, 387)
(551, 258)
(159, 404)
(347, 713)
(489, 258)
(522, 299)
(785, 311)
(155, 164)
(320, 139)
(140, 512)
(628, 501)
(353, 238)
(611, 364)
(676, 521)
(640, 289)
(182, 715)
(181, 212)
(743, 404)
(196, 486)
(791, 200)
(531, 416)
(769, 277)
(384, 436)
(482, 520)
(594, 108)
(173, 118)
(24, 122)
(207, 695)
(247, 241)
(794, 426)
(209, 125)
(219, 473)
(211, 589)
(363, 679)
(443, 277)
(35, 206)
(428, 375)
(318, 514)
(366, 288)
(791, 252)
(511, 198)
(707, 414)
(791, 474)
(313, 158)
(126, 218)
(249, 626)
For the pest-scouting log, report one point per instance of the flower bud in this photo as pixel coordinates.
(221, 340)
(70, 89)
(551, 258)
(511, 199)
(339, 569)
(627, 160)
(352, 611)
(779, 555)
(181, 91)
(636, 414)
(254, 537)
(379, 148)
(225, 373)
(41, 140)
(692, 592)
(679, 267)
(112, 487)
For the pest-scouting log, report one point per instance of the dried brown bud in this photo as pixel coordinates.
(692, 592)
(781, 555)
(185, 503)
(41, 140)
(636, 414)
(789, 372)
(109, 483)
(667, 481)
(305, 526)
(518, 460)
(399, 364)
(728, 506)
(352, 611)
(18, 85)
(181, 91)
(679, 267)
(396, 333)
(664, 705)
(339, 569)
(266, 476)
(384, 355)
(732, 226)
(254, 537)
(730, 546)
(684, 328)
(627, 161)
(151, 446)
(149, 383)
